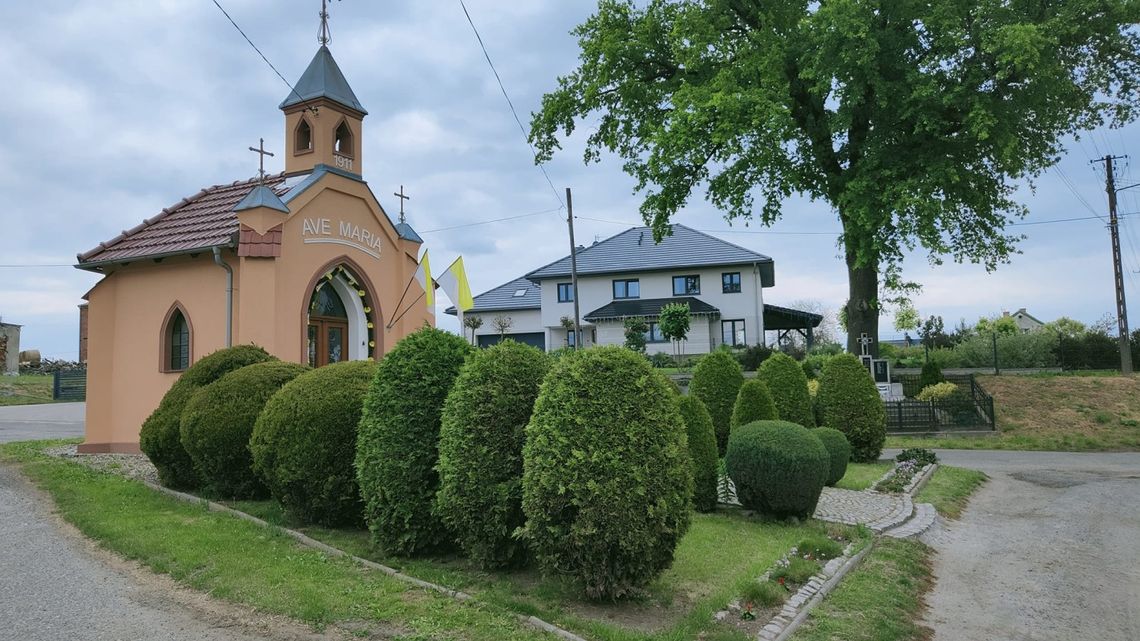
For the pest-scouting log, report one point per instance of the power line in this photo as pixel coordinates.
(494, 220)
(1072, 188)
(510, 104)
(239, 30)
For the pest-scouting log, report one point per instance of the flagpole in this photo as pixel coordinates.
(397, 319)
(401, 301)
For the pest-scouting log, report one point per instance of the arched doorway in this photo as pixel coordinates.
(340, 326)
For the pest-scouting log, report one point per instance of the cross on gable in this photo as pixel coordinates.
(402, 196)
(260, 149)
(865, 342)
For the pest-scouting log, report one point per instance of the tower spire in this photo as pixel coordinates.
(324, 35)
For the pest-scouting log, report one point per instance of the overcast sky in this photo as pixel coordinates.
(114, 109)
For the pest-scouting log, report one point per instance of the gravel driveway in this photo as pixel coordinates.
(1048, 549)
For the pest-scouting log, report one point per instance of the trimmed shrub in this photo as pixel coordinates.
(851, 404)
(750, 357)
(161, 438)
(931, 375)
(702, 452)
(607, 484)
(398, 441)
(716, 381)
(788, 384)
(304, 443)
(218, 421)
(753, 403)
(481, 441)
(937, 392)
(838, 449)
(779, 468)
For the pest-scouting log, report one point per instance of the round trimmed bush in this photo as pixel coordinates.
(779, 468)
(397, 444)
(716, 381)
(838, 449)
(161, 438)
(218, 421)
(702, 452)
(607, 484)
(753, 403)
(851, 404)
(789, 387)
(304, 443)
(481, 440)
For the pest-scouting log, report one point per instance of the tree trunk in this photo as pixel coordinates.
(862, 305)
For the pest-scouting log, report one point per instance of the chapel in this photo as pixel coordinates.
(305, 263)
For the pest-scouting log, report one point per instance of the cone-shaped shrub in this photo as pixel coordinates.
(753, 403)
(481, 441)
(607, 485)
(931, 375)
(161, 438)
(779, 468)
(702, 452)
(851, 404)
(218, 421)
(398, 441)
(838, 449)
(716, 381)
(788, 384)
(304, 443)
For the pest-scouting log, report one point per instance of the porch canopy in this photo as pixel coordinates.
(648, 308)
(784, 320)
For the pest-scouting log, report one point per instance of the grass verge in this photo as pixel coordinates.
(861, 476)
(25, 389)
(950, 489)
(880, 600)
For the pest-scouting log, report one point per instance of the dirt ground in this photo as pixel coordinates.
(1104, 408)
(1049, 549)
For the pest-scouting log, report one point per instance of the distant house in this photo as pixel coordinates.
(9, 349)
(630, 275)
(1025, 321)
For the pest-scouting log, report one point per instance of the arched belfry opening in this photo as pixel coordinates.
(341, 321)
(303, 137)
(342, 143)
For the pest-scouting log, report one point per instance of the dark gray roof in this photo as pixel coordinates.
(261, 196)
(776, 317)
(503, 298)
(407, 233)
(323, 79)
(634, 250)
(646, 308)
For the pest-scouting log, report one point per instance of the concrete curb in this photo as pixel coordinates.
(923, 478)
(531, 621)
(823, 591)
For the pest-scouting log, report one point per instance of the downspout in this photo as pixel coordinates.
(757, 286)
(229, 295)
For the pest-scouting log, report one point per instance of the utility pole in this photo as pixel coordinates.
(573, 268)
(1117, 268)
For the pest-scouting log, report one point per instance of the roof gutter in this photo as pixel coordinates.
(229, 295)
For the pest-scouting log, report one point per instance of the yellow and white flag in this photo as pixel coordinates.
(423, 277)
(453, 282)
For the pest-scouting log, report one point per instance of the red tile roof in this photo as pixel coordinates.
(255, 245)
(201, 221)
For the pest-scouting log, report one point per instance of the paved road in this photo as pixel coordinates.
(36, 422)
(1049, 549)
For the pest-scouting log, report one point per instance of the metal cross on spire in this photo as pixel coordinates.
(324, 36)
(260, 149)
(402, 196)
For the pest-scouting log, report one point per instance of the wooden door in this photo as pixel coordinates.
(328, 341)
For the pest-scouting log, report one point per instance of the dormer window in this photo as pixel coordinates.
(343, 142)
(303, 137)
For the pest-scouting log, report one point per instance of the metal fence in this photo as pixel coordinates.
(970, 410)
(70, 385)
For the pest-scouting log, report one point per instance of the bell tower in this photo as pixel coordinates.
(323, 118)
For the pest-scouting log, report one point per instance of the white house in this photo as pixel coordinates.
(629, 275)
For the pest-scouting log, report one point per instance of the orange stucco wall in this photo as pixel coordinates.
(127, 308)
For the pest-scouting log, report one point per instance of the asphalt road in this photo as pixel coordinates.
(1048, 549)
(37, 422)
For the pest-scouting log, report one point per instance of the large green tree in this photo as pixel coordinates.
(914, 120)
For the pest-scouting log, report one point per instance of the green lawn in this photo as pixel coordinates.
(861, 476)
(950, 489)
(262, 568)
(25, 389)
(879, 601)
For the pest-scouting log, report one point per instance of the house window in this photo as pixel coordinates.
(654, 334)
(177, 357)
(571, 338)
(730, 282)
(732, 333)
(686, 285)
(628, 288)
(565, 292)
